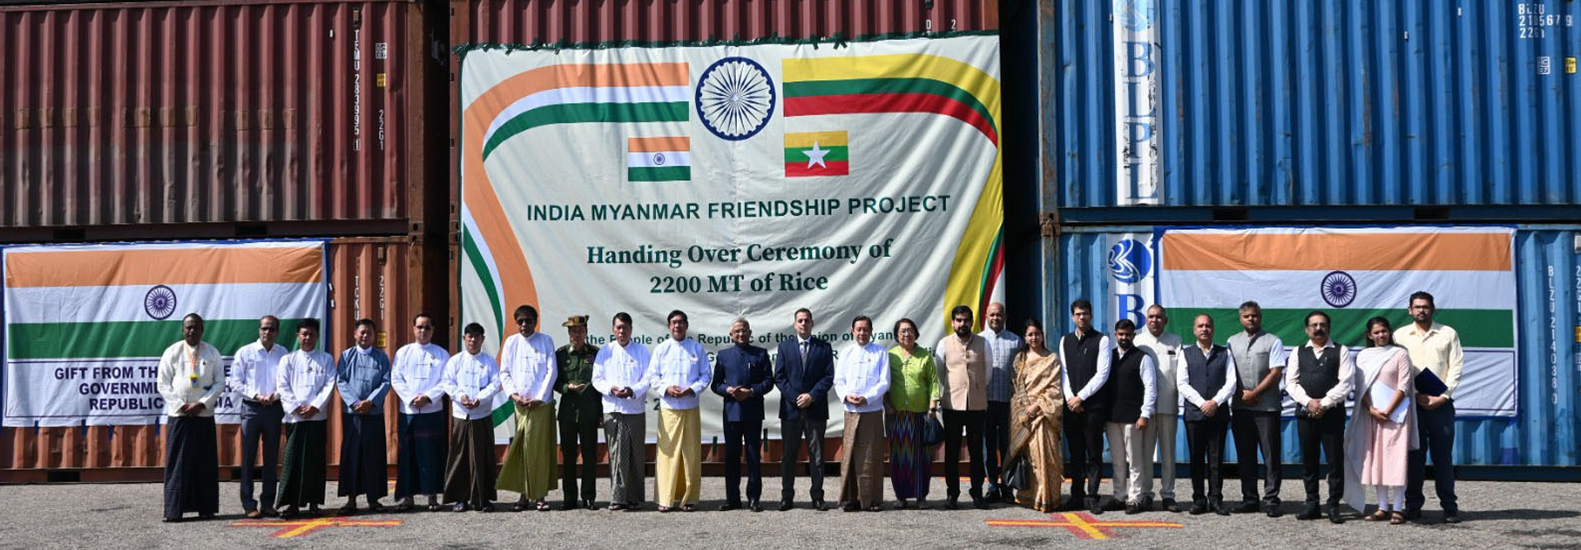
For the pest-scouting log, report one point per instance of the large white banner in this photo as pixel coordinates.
(85, 324)
(732, 181)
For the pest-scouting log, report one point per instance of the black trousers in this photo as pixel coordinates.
(260, 422)
(747, 434)
(954, 423)
(996, 440)
(579, 437)
(794, 432)
(1325, 435)
(1084, 433)
(1437, 429)
(1205, 444)
(1254, 431)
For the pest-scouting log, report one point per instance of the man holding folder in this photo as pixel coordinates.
(1437, 358)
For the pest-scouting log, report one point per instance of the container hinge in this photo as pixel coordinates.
(1049, 222)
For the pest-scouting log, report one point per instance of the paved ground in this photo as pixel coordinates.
(1498, 515)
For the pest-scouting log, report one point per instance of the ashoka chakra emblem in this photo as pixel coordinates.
(1339, 289)
(160, 302)
(735, 98)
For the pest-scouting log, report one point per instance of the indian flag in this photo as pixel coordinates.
(816, 154)
(1354, 275)
(659, 159)
(85, 325)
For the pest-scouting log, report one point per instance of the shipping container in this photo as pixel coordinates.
(1417, 109)
(1548, 279)
(218, 119)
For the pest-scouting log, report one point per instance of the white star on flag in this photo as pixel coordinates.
(815, 156)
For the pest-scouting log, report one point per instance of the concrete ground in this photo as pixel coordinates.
(1496, 514)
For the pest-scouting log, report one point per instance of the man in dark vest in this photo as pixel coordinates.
(1085, 354)
(1260, 365)
(1318, 379)
(1134, 379)
(1205, 381)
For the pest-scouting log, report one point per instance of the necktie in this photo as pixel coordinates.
(804, 353)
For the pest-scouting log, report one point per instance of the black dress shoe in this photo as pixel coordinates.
(728, 506)
(349, 509)
(568, 505)
(1219, 507)
(785, 505)
(1413, 515)
(374, 507)
(755, 506)
(520, 505)
(435, 507)
(979, 503)
(1310, 511)
(1198, 508)
(268, 511)
(1245, 507)
(952, 503)
(850, 507)
(171, 520)
(1172, 506)
(588, 503)
(1272, 509)
(1133, 508)
(404, 506)
(819, 505)
(1334, 516)
(1452, 517)
(486, 507)
(1093, 505)
(1146, 503)
(288, 512)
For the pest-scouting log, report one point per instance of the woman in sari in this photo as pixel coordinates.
(1035, 421)
(913, 390)
(1383, 430)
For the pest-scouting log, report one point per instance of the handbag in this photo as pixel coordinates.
(932, 430)
(1018, 474)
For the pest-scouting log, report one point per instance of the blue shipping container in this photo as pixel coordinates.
(1548, 275)
(1302, 103)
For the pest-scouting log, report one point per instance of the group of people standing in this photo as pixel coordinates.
(1012, 397)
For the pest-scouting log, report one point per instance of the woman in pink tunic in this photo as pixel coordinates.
(1382, 431)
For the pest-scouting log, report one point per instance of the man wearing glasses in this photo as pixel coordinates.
(1318, 378)
(421, 434)
(256, 364)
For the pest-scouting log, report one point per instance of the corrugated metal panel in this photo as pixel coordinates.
(1548, 268)
(180, 112)
(1350, 102)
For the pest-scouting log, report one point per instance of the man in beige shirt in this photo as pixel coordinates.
(1435, 349)
(963, 391)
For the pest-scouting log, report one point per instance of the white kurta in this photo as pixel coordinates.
(419, 370)
(529, 367)
(178, 385)
(864, 371)
(471, 376)
(305, 377)
(684, 364)
(623, 367)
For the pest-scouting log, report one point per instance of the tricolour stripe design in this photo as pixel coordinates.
(817, 154)
(900, 83)
(656, 159)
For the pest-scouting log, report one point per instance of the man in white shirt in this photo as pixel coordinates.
(1206, 380)
(471, 380)
(1164, 348)
(191, 379)
(416, 377)
(680, 374)
(622, 374)
(305, 380)
(1434, 348)
(261, 413)
(528, 375)
(1132, 374)
(1002, 347)
(1318, 378)
(860, 379)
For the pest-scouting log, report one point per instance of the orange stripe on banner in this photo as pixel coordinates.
(658, 144)
(122, 267)
(1348, 251)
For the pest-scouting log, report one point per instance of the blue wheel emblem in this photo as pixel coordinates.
(1130, 261)
(735, 98)
(658, 159)
(1339, 289)
(160, 302)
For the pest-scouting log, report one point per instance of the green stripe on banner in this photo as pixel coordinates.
(568, 113)
(1478, 328)
(667, 173)
(501, 413)
(475, 257)
(799, 154)
(859, 86)
(130, 338)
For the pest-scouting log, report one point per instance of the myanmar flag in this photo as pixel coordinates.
(1354, 274)
(816, 154)
(659, 159)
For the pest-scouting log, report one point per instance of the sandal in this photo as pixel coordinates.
(689, 508)
(616, 507)
(664, 509)
(1379, 515)
(519, 505)
(543, 506)
(1396, 518)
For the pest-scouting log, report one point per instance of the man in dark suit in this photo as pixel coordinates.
(742, 375)
(804, 373)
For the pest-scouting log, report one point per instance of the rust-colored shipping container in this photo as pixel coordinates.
(212, 119)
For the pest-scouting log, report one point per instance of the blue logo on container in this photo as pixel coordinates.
(1136, 15)
(1339, 288)
(1130, 261)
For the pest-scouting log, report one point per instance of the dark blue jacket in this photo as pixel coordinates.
(815, 378)
(743, 366)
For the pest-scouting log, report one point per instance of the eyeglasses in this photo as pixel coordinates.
(423, 327)
(269, 329)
